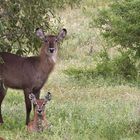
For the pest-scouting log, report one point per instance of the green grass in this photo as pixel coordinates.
(78, 113)
(80, 109)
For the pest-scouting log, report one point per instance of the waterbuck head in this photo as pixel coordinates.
(40, 103)
(51, 41)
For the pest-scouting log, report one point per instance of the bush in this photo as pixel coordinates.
(119, 24)
(119, 70)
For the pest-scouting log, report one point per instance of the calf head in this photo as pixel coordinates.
(40, 103)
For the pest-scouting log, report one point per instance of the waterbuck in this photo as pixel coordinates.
(29, 73)
(39, 122)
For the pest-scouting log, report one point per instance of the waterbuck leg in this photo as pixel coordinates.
(3, 90)
(28, 106)
(37, 95)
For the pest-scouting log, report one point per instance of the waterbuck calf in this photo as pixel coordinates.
(29, 73)
(39, 122)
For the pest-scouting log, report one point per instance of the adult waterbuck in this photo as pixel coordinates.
(29, 73)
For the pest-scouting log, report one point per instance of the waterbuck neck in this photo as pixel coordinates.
(47, 63)
(38, 122)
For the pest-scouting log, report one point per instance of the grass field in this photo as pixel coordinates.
(79, 110)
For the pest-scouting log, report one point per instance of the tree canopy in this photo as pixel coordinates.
(20, 18)
(120, 24)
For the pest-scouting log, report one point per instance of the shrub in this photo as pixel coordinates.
(118, 70)
(119, 24)
(20, 18)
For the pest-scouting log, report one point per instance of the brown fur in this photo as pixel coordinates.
(33, 125)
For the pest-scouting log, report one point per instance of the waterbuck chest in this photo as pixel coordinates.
(39, 80)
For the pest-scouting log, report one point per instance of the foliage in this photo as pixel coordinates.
(20, 18)
(119, 23)
(121, 68)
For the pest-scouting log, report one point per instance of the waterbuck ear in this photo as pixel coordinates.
(40, 33)
(32, 98)
(48, 97)
(62, 34)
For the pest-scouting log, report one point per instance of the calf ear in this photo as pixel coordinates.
(32, 98)
(40, 33)
(48, 97)
(62, 34)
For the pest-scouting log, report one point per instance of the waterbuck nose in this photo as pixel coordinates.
(51, 50)
(39, 111)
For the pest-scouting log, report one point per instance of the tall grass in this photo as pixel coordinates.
(77, 112)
